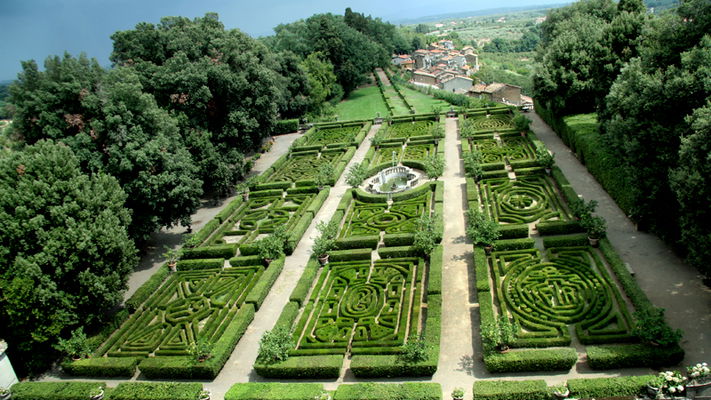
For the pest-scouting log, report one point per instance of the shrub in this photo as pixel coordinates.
(414, 350)
(479, 229)
(434, 166)
(594, 225)
(219, 251)
(511, 390)
(608, 387)
(650, 327)
(396, 252)
(102, 366)
(201, 350)
(514, 244)
(521, 123)
(270, 247)
(286, 126)
(208, 263)
(311, 367)
(512, 231)
(356, 174)
(147, 289)
(326, 241)
(565, 241)
(633, 355)
(156, 391)
(274, 391)
(472, 165)
(274, 346)
(426, 235)
(76, 345)
(54, 390)
(325, 175)
(498, 335)
(534, 360)
(389, 391)
(558, 227)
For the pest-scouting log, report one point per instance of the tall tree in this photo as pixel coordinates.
(64, 249)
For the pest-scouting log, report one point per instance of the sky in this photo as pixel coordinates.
(35, 29)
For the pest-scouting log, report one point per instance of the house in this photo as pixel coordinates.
(423, 78)
(408, 65)
(399, 59)
(472, 60)
(498, 92)
(456, 84)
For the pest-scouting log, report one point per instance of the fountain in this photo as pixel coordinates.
(393, 180)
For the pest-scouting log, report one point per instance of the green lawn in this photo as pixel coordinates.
(362, 104)
(421, 102)
(399, 107)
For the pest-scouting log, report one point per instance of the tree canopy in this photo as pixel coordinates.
(65, 252)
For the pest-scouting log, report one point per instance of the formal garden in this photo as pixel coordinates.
(369, 298)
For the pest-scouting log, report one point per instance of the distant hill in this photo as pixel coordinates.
(478, 13)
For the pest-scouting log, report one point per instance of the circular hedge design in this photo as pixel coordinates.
(372, 218)
(525, 200)
(491, 122)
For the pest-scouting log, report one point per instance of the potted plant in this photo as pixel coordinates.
(481, 230)
(561, 391)
(472, 165)
(324, 175)
(458, 394)
(97, 393)
(426, 235)
(171, 257)
(498, 335)
(434, 166)
(76, 347)
(699, 373)
(326, 241)
(201, 350)
(544, 157)
(204, 395)
(672, 383)
(521, 123)
(654, 387)
(270, 248)
(323, 396)
(651, 328)
(4, 393)
(580, 208)
(595, 227)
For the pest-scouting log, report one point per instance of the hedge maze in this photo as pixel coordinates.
(364, 306)
(549, 295)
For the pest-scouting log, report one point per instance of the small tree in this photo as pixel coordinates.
(274, 346)
(326, 241)
(434, 166)
(76, 346)
(472, 165)
(582, 209)
(356, 174)
(437, 131)
(481, 230)
(324, 175)
(650, 327)
(414, 350)
(594, 225)
(544, 157)
(498, 335)
(172, 255)
(270, 247)
(378, 138)
(521, 123)
(426, 235)
(201, 350)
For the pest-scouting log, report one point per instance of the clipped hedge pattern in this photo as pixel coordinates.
(54, 390)
(511, 390)
(389, 391)
(524, 200)
(370, 218)
(274, 391)
(156, 391)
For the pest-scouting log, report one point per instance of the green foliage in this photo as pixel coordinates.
(414, 350)
(201, 350)
(609, 387)
(389, 391)
(481, 230)
(356, 174)
(274, 391)
(326, 241)
(633, 356)
(458, 393)
(270, 247)
(498, 335)
(310, 367)
(543, 156)
(66, 253)
(426, 235)
(650, 326)
(54, 390)
(582, 209)
(594, 225)
(274, 346)
(76, 345)
(472, 165)
(156, 391)
(434, 166)
(510, 390)
(534, 360)
(102, 367)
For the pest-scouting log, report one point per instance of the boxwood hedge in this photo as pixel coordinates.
(156, 391)
(274, 391)
(511, 390)
(608, 387)
(54, 390)
(389, 391)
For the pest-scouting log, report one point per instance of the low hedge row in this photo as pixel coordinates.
(398, 239)
(245, 260)
(229, 209)
(205, 263)
(358, 242)
(434, 284)
(301, 290)
(613, 356)
(147, 289)
(558, 227)
(350, 255)
(514, 244)
(260, 290)
(513, 231)
(216, 251)
(481, 270)
(396, 252)
(311, 367)
(274, 391)
(288, 315)
(102, 366)
(283, 126)
(629, 284)
(203, 234)
(511, 390)
(274, 185)
(608, 387)
(389, 391)
(187, 368)
(390, 366)
(156, 391)
(533, 360)
(54, 390)
(566, 241)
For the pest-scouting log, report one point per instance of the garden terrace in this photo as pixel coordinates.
(333, 135)
(552, 282)
(213, 305)
(301, 166)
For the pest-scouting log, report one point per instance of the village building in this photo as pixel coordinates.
(498, 92)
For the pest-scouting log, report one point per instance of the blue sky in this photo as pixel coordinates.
(34, 29)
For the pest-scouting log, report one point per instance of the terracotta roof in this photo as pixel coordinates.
(407, 62)
(478, 88)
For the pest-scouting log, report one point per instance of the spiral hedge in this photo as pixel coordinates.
(409, 129)
(526, 199)
(324, 136)
(302, 167)
(371, 218)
